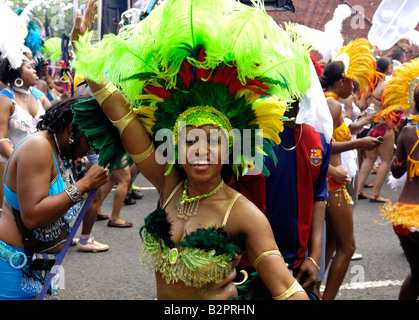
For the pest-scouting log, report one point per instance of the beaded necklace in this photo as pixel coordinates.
(188, 206)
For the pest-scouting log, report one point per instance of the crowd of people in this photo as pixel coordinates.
(226, 225)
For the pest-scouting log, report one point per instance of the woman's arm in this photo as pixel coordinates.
(260, 246)
(338, 173)
(366, 143)
(310, 267)
(136, 140)
(33, 176)
(45, 102)
(6, 107)
(364, 120)
(398, 164)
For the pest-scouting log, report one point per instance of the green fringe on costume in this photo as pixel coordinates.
(204, 256)
(102, 135)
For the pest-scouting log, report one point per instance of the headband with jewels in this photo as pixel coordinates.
(214, 62)
(399, 92)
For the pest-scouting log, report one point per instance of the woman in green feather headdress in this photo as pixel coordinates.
(192, 90)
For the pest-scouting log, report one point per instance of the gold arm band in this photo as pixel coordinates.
(296, 287)
(122, 123)
(314, 262)
(105, 93)
(264, 255)
(138, 158)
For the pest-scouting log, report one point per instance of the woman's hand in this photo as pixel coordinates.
(95, 177)
(369, 143)
(80, 27)
(339, 174)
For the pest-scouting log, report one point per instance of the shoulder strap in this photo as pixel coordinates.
(7, 92)
(18, 146)
(172, 194)
(416, 144)
(36, 93)
(227, 215)
(56, 164)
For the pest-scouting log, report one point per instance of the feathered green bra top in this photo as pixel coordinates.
(216, 62)
(202, 257)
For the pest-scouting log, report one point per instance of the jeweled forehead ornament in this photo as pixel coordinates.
(200, 116)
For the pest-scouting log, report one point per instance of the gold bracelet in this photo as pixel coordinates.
(264, 255)
(104, 93)
(295, 287)
(314, 262)
(122, 123)
(138, 158)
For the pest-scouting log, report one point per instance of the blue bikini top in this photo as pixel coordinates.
(56, 186)
(43, 239)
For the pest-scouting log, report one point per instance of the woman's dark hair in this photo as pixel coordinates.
(398, 54)
(8, 75)
(59, 116)
(332, 72)
(382, 64)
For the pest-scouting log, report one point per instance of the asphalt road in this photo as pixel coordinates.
(117, 274)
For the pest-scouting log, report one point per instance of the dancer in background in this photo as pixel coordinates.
(41, 201)
(354, 62)
(403, 92)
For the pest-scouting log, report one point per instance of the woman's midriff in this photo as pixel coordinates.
(179, 291)
(10, 234)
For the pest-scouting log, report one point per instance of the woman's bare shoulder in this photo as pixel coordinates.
(37, 147)
(246, 215)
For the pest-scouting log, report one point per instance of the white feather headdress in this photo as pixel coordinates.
(329, 41)
(15, 31)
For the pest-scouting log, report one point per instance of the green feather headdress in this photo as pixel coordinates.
(217, 56)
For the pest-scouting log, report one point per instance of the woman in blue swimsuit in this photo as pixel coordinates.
(39, 197)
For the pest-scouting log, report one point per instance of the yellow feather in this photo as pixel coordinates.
(362, 66)
(396, 93)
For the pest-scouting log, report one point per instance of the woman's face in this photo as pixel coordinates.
(28, 74)
(390, 69)
(346, 88)
(77, 150)
(202, 152)
(81, 148)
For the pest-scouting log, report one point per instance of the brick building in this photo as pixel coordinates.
(315, 13)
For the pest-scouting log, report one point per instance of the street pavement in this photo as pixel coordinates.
(118, 275)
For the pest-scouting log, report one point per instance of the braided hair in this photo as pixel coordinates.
(59, 116)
